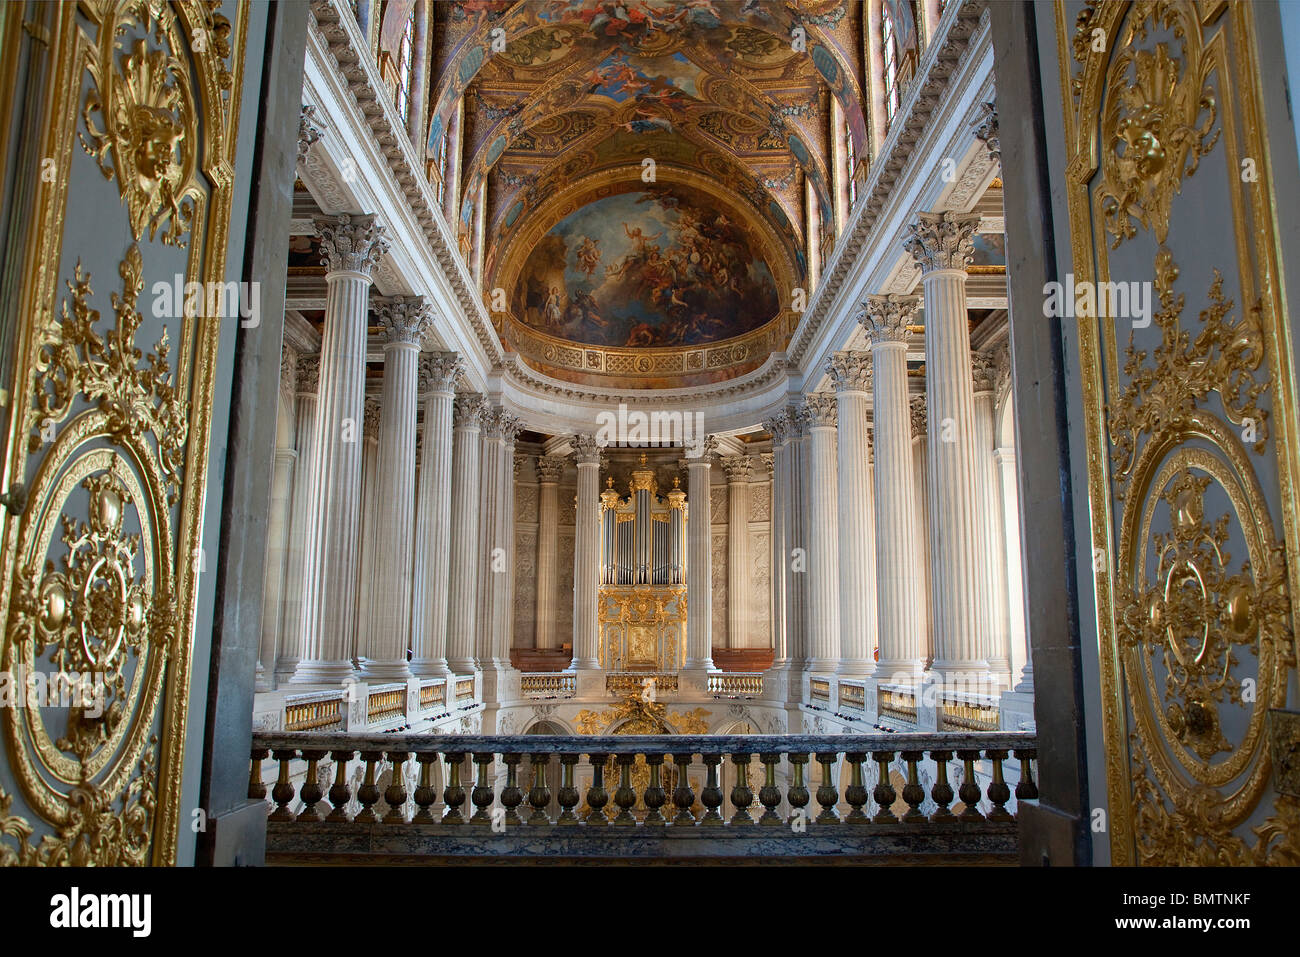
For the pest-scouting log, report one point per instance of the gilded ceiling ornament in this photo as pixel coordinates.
(886, 318)
(1151, 139)
(352, 243)
(850, 371)
(942, 240)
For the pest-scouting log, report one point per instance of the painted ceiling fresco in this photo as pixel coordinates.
(647, 268)
(735, 91)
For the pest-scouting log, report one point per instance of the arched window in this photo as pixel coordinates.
(852, 160)
(403, 92)
(889, 44)
(442, 168)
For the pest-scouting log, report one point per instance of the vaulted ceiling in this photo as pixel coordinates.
(646, 168)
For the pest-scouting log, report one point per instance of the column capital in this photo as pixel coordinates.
(586, 449)
(919, 415)
(288, 369)
(708, 449)
(737, 468)
(850, 371)
(550, 468)
(351, 243)
(370, 419)
(403, 320)
(779, 427)
(886, 318)
(439, 371)
(769, 462)
(942, 240)
(819, 411)
(984, 372)
(307, 374)
(468, 411)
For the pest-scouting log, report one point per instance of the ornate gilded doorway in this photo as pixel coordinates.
(1190, 422)
(110, 369)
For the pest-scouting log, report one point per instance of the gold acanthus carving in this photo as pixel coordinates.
(633, 714)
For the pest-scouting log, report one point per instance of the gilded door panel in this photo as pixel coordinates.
(1190, 423)
(107, 447)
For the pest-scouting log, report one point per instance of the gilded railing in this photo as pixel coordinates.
(896, 704)
(621, 682)
(464, 689)
(318, 711)
(737, 685)
(973, 714)
(819, 689)
(557, 684)
(863, 803)
(853, 696)
(384, 702)
(433, 694)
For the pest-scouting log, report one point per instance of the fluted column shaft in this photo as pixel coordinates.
(549, 469)
(796, 552)
(885, 320)
(462, 607)
(780, 563)
(586, 555)
(351, 246)
(699, 562)
(277, 535)
(364, 628)
(921, 513)
(1006, 459)
(941, 243)
(851, 373)
(738, 613)
(503, 580)
(298, 578)
(429, 599)
(991, 545)
(822, 534)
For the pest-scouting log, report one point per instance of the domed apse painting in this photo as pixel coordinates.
(648, 268)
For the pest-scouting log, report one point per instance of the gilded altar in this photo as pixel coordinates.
(642, 627)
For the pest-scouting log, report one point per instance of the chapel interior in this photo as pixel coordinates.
(593, 429)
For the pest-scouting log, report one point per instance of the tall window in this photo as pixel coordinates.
(852, 160)
(889, 43)
(442, 168)
(404, 66)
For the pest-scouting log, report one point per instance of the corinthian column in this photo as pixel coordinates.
(885, 319)
(297, 578)
(921, 513)
(549, 469)
(699, 561)
(351, 246)
(819, 414)
(992, 548)
(941, 243)
(851, 373)
(462, 608)
(779, 427)
(737, 468)
(438, 374)
(403, 324)
(586, 554)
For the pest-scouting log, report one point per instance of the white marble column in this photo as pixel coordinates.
(737, 468)
(549, 469)
(941, 243)
(484, 560)
(438, 374)
(819, 413)
(699, 561)
(297, 578)
(779, 427)
(992, 547)
(351, 246)
(503, 580)
(796, 555)
(586, 555)
(462, 598)
(921, 516)
(851, 373)
(368, 521)
(277, 535)
(403, 324)
(885, 319)
(1006, 459)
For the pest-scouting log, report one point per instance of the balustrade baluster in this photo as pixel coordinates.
(256, 788)
(511, 795)
(942, 790)
(741, 795)
(969, 792)
(282, 793)
(683, 796)
(798, 794)
(395, 793)
(311, 792)
(539, 795)
(998, 791)
(625, 797)
(597, 797)
(913, 793)
(340, 793)
(368, 793)
(481, 796)
(1026, 789)
(711, 794)
(453, 795)
(827, 795)
(425, 793)
(856, 792)
(884, 792)
(568, 795)
(654, 792)
(769, 795)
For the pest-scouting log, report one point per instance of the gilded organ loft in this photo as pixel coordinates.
(655, 436)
